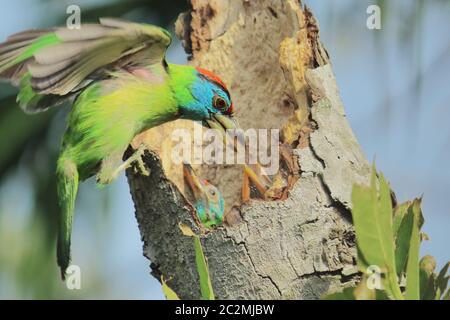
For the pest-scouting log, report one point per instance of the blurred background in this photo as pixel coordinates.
(394, 83)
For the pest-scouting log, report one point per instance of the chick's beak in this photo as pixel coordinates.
(193, 181)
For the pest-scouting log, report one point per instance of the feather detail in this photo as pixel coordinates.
(212, 77)
(88, 32)
(28, 34)
(61, 62)
(14, 58)
(12, 46)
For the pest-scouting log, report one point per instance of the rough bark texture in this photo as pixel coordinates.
(279, 75)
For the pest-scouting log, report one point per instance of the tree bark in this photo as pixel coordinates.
(279, 76)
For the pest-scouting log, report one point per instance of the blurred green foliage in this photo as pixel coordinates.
(388, 241)
(206, 289)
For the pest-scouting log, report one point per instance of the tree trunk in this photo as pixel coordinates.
(279, 76)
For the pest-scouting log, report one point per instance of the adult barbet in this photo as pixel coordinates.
(116, 74)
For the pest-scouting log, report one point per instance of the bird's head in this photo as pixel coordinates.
(212, 102)
(208, 200)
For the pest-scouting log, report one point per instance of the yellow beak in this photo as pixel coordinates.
(221, 122)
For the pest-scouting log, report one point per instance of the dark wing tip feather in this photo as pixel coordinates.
(28, 34)
(61, 69)
(12, 48)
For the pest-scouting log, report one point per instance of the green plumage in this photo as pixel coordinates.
(67, 187)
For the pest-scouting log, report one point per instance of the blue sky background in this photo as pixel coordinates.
(403, 126)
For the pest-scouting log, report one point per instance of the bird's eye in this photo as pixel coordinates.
(212, 192)
(220, 104)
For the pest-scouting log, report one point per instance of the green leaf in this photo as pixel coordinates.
(442, 279)
(169, 293)
(427, 288)
(202, 265)
(362, 291)
(402, 242)
(372, 217)
(447, 295)
(427, 277)
(412, 267)
(203, 271)
(360, 259)
(381, 295)
(437, 295)
(399, 213)
(346, 294)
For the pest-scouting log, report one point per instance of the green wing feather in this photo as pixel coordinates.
(52, 65)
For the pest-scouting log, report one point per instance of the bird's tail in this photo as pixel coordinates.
(67, 186)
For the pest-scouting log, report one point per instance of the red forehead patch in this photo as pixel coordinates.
(211, 76)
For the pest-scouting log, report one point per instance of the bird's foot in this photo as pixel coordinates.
(109, 172)
(137, 158)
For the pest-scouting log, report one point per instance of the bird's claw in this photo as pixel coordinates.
(141, 168)
(108, 173)
(137, 157)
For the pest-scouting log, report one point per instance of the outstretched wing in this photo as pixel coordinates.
(57, 63)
